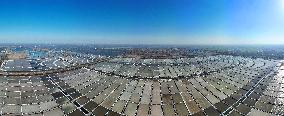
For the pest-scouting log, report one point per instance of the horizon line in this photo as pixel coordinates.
(147, 44)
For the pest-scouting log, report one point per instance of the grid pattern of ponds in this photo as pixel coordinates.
(224, 85)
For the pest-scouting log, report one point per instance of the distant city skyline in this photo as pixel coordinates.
(142, 22)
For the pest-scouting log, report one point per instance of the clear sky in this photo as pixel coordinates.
(142, 21)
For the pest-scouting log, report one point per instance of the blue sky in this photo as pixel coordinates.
(142, 21)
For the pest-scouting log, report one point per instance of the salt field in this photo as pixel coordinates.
(70, 83)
